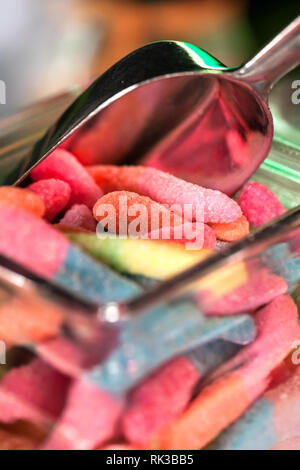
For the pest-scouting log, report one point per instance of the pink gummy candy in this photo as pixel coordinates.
(238, 382)
(64, 166)
(259, 203)
(34, 392)
(158, 400)
(79, 216)
(262, 287)
(89, 419)
(31, 241)
(55, 194)
(216, 206)
(285, 400)
(278, 328)
(200, 204)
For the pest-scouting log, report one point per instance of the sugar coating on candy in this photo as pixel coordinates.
(208, 205)
(278, 328)
(274, 417)
(218, 405)
(159, 399)
(22, 199)
(202, 204)
(79, 216)
(128, 206)
(278, 321)
(128, 213)
(89, 419)
(238, 382)
(34, 392)
(259, 203)
(55, 194)
(31, 241)
(262, 287)
(162, 396)
(62, 165)
(232, 231)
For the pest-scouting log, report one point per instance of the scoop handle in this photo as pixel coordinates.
(276, 59)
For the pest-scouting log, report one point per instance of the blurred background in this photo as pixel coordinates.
(47, 46)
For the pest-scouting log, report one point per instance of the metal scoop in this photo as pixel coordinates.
(175, 107)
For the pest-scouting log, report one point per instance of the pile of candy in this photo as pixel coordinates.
(175, 378)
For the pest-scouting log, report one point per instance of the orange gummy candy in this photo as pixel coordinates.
(233, 231)
(22, 199)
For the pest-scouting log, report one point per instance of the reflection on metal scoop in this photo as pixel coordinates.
(173, 106)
